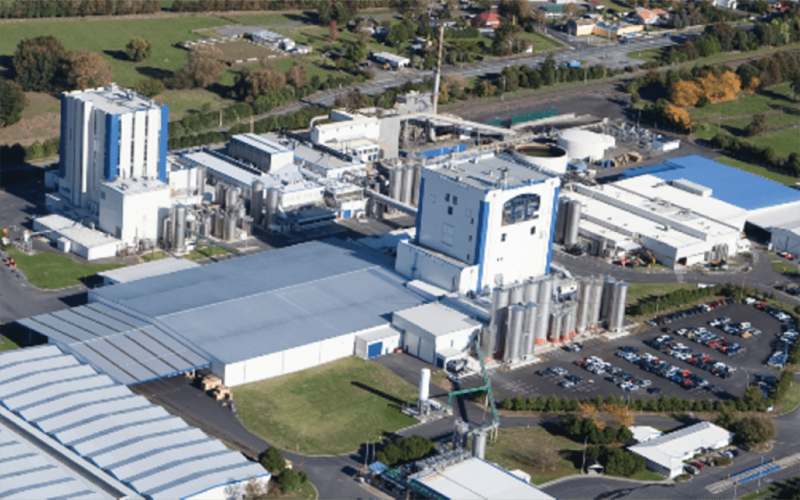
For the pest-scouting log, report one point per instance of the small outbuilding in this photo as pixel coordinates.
(432, 332)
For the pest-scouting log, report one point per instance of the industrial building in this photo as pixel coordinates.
(71, 236)
(667, 454)
(146, 270)
(585, 145)
(265, 155)
(435, 333)
(674, 221)
(767, 203)
(395, 61)
(68, 430)
(483, 220)
(786, 237)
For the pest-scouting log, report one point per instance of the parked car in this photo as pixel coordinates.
(559, 371)
(691, 469)
(566, 384)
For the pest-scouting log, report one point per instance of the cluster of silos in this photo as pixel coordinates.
(513, 322)
(174, 231)
(404, 184)
(263, 205)
(568, 216)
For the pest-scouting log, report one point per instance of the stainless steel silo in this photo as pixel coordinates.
(180, 228)
(617, 318)
(529, 328)
(271, 208)
(608, 298)
(395, 183)
(573, 222)
(555, 326)
(408, 185)
(584, 305)
(531, 291)
(229, 231)
(517, 295)
(543, 318)
(514, 334)
(561, 219)
(256, 202)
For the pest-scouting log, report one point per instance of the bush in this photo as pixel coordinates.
(291, 480)
(754, 430)
(405, 450)
(150, 87)
(273, 461)
(616, 461)
(722, 461)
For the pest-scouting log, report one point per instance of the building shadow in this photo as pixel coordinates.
(21, 335)
(396, 401)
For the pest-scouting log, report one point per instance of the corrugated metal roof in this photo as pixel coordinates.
(272, 301)
(437, 319)
(153, 268)
(731, 185)
(126, 348)
(121, 433)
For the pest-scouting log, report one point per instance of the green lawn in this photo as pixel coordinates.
(542, 455)
(206, 251)
(637, 291)
(789, 401)
(52, 272)
(653, 54)
(109, 36)
(763, 172)
(746, 105)
(306, 492)
(329, 409)
(6, 344)
(783, 142)
(157, 255)
(785, 268)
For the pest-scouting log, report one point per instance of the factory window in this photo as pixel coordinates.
(503, 237)
(472, 221)
(470, 238)
(455, 200)
(468, 257)
(102, 195)
(447, 197)
(449, 210)
(533, 230)
(521, 208)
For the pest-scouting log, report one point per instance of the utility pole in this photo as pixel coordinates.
(585, 445)
(438, 76)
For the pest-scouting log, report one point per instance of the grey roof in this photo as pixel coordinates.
(125, 347)
(261, 143)
(120, 433)
(484, 171)
(272, 301)
(116, 100)
(437, 319)
(227, 167)
(148, 269)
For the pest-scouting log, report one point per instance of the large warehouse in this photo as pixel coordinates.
(250, 318)
(68, 431)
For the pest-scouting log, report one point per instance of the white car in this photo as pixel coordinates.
(749, 301)
(559, 371)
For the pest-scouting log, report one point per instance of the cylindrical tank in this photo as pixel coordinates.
(500, 298)
(573, 221)
(514, 334)
(529, 328)
(415, 192)
(608, 298)
(561, 219)
(597, 301)
(229, 231)
(271, 208)
(584, 305)
(572, 316)
(517, 295)
(180, 228)
(408, 185)
(256, 201)
(219, 196)
(543, 318)
(231, 197)
(531, 291)
(201, 179)
(555, 326)
(246, 223)
(219, 224)
(395, 183)
(424, 386)
(203, 227)
(479, 445)
(617, 319)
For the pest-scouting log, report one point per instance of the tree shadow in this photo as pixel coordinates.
(735, 131)
(120, 55)
(155, 73)
(789, 110)
(776, 96)
(307, 17)
(224, 91)
(7, 62)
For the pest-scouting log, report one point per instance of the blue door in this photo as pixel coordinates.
(375, 349)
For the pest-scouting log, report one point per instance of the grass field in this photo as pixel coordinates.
(329, 409)
(306, 492)
(637, 291)
(52, 272)
(150, 257)
(653, 55)
(755, 169)
(784, 268)
(206, 251)
(789, 401)
(6, 344)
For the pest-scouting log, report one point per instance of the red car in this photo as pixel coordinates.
(699, 465)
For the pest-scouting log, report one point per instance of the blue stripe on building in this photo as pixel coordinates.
(480, 246)
(420, 203)
(552, 230)
(62, 142)
(162, 150)
(111, 160)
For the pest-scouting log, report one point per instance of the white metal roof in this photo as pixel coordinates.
(642, 433)
(261, 143)
(485, 170)
(75, 231)
(152, 268)
(477, 479)
(665, 450)
(437, 319)
(115, 100)
(119, 433)
(130, 187)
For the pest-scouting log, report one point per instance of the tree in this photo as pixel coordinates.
(754, 430)
(138, 49)
(405, 450)
(296, 76)
(89, 70)
(759, 126)
(794, 82)
(685, 93)
(204, 65)
(753, 85)
(273, 461)
(397, 36)
(678, 116)
(519, 9)
(291, 480)
(721, 88)
(570, 10)
(356, 51)
(41, 64)
(150, 87)
(253, 490)
(12, 102)
(333, 31)
(541, 19)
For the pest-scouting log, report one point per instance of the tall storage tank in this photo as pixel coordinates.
(573, 223)
(424, 386)
(219, 224)
(543, 321)
(514, 334)
(219, 195)
(408, 185)
(529, 328)
(517, 295)
(180, 228)
(555, 327)
(500, 298)
(572, 319)
(597, 300)
(561, 219)
(396, 184)
(229, 231)
(531, 291)
(479, 444)
(256, 202)
(584, 305)
(271, 208)
(617, 319)
(608, 298)
(415, 193)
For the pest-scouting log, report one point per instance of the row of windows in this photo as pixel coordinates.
(503, 236)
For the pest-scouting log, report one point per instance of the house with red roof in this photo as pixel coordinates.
(487, 19)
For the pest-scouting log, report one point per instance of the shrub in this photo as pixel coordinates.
(405, 450)
(273, 461)
(754, 430)
(291, 480)
(722, 461)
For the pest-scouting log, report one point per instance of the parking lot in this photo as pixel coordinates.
(536, 380)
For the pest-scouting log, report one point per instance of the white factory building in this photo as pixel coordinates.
(134, 209)
(351, 134)
(667, 454)
(435, 333)
(677, 222)
(109, 133)
(262, 153)
(393, 60)
(483, 220)
(585, 145)
(786, 237)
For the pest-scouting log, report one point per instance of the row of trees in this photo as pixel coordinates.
(27, 9)
(581, 429)
(616, 461)
(405, 450)
(677, 298)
